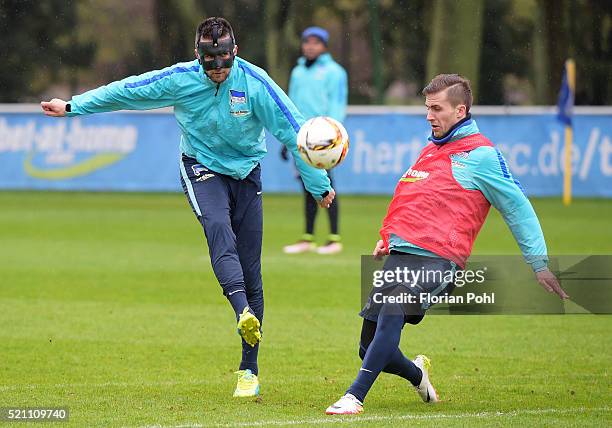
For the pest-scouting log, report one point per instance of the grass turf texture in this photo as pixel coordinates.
(108, 306)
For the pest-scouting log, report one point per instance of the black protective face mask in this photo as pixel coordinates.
(216, 50)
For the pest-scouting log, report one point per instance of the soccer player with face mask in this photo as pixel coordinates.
(222, 104)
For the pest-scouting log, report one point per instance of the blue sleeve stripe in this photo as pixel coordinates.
(520, 186)
(274, 96)
(159, 76)
(504, 169)
(502, 163)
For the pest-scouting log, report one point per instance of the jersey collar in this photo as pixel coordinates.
(465, 127)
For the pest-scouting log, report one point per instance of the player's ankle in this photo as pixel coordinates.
(307, 237)
(333, 237)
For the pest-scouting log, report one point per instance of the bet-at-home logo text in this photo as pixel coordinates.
(66, 149)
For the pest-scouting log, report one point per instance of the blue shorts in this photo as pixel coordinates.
(408, 294)
(231, 214)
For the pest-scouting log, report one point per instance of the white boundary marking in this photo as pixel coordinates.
(320, 421)
(374, 418)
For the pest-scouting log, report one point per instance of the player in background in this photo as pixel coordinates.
(437, 210)
(318, 87)
(222, 104)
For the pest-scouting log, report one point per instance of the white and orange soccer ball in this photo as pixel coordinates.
(323, 142)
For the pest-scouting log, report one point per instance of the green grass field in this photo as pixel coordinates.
(108, 306)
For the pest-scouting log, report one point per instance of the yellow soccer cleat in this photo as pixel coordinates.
(248, 327)
(248, 384)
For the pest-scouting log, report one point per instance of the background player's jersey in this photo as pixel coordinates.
(221, 124)
(486, 170)
(321, 89)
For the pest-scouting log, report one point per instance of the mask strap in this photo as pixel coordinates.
(216, 32)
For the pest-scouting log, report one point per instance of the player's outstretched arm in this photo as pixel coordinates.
(549, 281)
(283, 120)
(150, 90)
(54, 108)
(493, 178)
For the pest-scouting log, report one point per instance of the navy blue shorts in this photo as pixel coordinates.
(231, 214)
(410, 298)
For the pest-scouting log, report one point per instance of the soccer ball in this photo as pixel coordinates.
(323, 142)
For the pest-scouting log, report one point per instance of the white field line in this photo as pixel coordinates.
(360, 419)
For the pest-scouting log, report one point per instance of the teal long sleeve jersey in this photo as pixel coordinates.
(222, 125)
(321, 89)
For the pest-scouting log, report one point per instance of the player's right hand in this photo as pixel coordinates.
(55, 107)
(380, 250)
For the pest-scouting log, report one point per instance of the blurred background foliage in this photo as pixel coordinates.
(512, 50)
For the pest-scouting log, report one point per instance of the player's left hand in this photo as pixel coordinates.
(327, 200)
(550, 283)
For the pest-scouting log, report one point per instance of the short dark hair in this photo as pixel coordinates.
(459, 90)
(205, 28)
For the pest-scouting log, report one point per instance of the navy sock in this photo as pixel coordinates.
(249, 353)
(401, 366)
(380, 352)
(238, 300)
(249, 357)
(398, 365)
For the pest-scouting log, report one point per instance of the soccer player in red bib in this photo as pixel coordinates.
(437, 210)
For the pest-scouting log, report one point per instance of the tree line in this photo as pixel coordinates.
(512, 50)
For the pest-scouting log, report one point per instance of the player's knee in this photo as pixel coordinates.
(214, 226)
